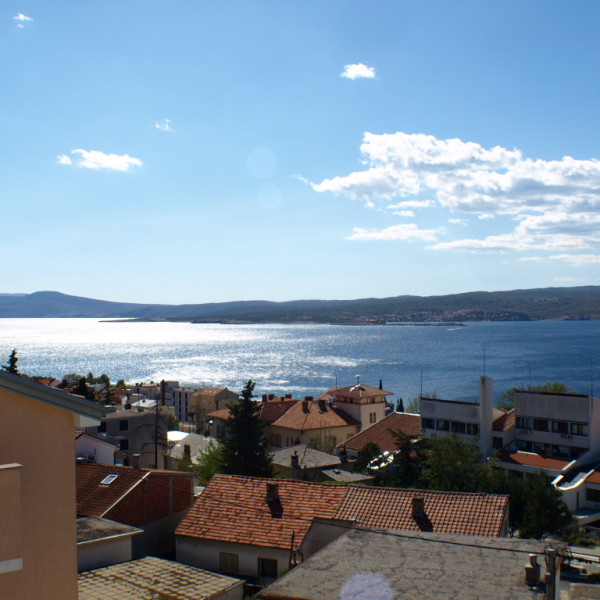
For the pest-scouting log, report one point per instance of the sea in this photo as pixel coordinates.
(307, 359)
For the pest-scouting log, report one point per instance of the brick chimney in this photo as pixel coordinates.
(136, 461)
(272, 493)
(418, 506)
(295, 460)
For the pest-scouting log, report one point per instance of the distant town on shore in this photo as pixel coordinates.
(559, 303)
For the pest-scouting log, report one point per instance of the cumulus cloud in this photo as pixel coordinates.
(405, 213)
(163, 125)
(358, 71)
(549, 205)
(408, 232)
(97, 160)
(22, 19)
(578, 260)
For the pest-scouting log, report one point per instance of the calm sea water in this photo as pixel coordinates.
(307, 359)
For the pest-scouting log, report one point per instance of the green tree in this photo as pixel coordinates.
(83, 389)
(506, 401)
(172, 422)
(400, 405)
(365, 455)
(245, 447)
(11, 367)
(210, 462)
(408, 459)
(413, 406)
(452, 464)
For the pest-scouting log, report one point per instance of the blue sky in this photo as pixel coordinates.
(196, 151)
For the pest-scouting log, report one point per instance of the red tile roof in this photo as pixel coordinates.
(273, 409)
(445, 512)
(380, 432)
(355, 391)
(223, 414)
(533, 460)
(506, 421)
(234, 509)
(593, 478)
(94, 499)
(305, 415)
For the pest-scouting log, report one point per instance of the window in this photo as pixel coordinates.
(102, 427)
(540, 448)
(124, 445)
(473, 429)
(276, 440)
(228, 563)
(443, 425)
(592, 495)
(458, 427)
(540, 424)
(579, 429)
(428, 423)
(524, 445)
(108, 479)
(560, 451)
(267, 567)
(372, 417)
(523, 423)
(497, 443)
(560, 427)
(577, 452)
(123, 425)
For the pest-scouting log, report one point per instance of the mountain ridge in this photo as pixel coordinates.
(569, 303)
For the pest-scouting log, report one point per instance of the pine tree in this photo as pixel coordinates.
(11, 367)
(245, 449)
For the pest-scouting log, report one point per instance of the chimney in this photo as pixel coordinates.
(308, 398)
(163, 392)
(532, 571)
(136, 461)
(288, 396)
(305, 406)
(322, 405)
(187, 451)
(418, 506)
(264, 397)
(272, 493)
(295, 461)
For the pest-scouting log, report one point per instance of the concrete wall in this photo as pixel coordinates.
(104, 552)
(101, 452)
(11, 519)
(41, 438)
(205, 554)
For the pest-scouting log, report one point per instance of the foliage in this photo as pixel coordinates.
(11, 367)
(506, 401)
(211, 462)
(84, 390)
(407, 463)
(245, 447)
(452, 464)
(325, 443)
(413, 406)
(172, 422)
(367, 453)
(400, 405)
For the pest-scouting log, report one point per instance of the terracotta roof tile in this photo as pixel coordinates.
(533, 460)
(445, 512)
(234, 509)
(305, 415)
(355, 391)
(380, 434)
(94, 499)
(273, 409)
(223, 414)
(594, 477)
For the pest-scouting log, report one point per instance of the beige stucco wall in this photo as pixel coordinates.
(41, 438)
(289, 436)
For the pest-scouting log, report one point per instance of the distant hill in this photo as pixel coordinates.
(517, 305)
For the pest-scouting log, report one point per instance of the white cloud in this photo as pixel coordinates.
(408, 232)
(22, 19)
(463, 222)
(358, 71)
(94, 159)
(555, 204)
(404, 213)
(163, 124)
(578, 260)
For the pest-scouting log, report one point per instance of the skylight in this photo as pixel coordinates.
(108, 479)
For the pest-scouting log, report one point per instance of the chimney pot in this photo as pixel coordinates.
(532, 571)
(264, 397)
(136, 461)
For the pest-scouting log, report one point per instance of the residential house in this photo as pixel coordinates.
(389, 564)
(382, 434)
(253, 527)
(155, 501)
(38, 543)
(206, 400)
(95, 448)
(102, 542)
(302, 462)
(136, 431)
(185, 445)
(364, 403)
(157, 578)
